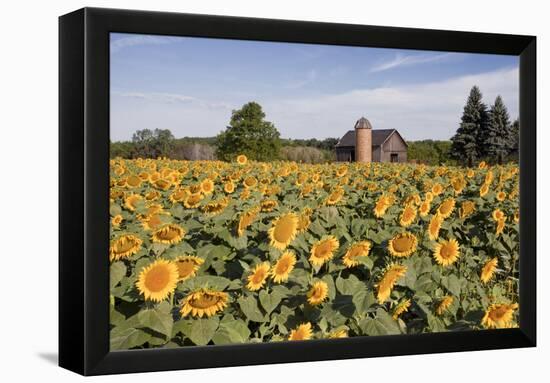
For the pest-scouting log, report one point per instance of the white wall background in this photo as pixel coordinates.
(28, 191)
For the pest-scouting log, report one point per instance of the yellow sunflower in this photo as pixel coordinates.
(133, 181)
(483, 190)
(499, 315)
(500, 226)
(488, 270)
(341, 333)
(283, 230)
(402, 245)
(257, 279)
(444, 305)
(124, 247)
(383, 203)
(318, 293)
(154, 221)
(302, 332)
(178, 195)
(131, 201)
(193, 200)
(215, 207)
(207, 186)
(188, 265)
(434, 226)
(392, 273)
(245, 220)
(229, 187)
(407, 216)
(498, 215)
(447, 252)
(424, 209)
(241, 159)
(269, 205)
(359, 249)
(158, 280)
(204, 302)
(501, 196)
(446, 208)
(437, 189)
(283, 267)
(169, 234)
(116, 220)
(335, 197)
(304, 220)
(323, 250)
(402, 307)
(466, 209)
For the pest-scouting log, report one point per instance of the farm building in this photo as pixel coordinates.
(364, 144)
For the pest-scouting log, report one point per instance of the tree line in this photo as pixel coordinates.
(247, 133)
(483, 134)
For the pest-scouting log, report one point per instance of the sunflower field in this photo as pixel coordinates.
(211, 252)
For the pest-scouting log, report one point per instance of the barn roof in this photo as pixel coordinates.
(379, 136)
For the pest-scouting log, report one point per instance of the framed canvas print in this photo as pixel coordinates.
(244, 191)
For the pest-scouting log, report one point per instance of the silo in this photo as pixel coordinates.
(363, 140)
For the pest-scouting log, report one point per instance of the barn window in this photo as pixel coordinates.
(394, 157)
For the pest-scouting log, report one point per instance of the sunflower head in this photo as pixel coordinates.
(257, 278)
(488, 270)
(124, 247)
(283, 230)
(323, 250)
(407, 216)
(424, 208)
(241, 159)
(158, 280)
(382, 204)
(245, 220)
(169, 234)
(499, 315)
(359, 249)
(302, 332)
(466, 209)
(207, 186)
(204, 302)
(401, 308)
(446, 252)
(402, 245)
(444, 305)
(434, 226)
(446, 208)
(318, 293)
(283, 267)
(391, 275)
(193, 200)
(187, 265)
(340, 333)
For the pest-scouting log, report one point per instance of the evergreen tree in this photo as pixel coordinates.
(465, 145)
(514, 139)
(498, 139)
(249, 134)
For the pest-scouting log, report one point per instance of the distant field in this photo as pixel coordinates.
(208, 252)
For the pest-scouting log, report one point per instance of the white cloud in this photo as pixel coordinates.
(401, 60)
(421, 111)
(130, 41)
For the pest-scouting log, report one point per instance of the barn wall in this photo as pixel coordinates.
(376, 154)
(394, 145)
(343, 154)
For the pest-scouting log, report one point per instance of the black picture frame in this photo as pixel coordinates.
(84, 189)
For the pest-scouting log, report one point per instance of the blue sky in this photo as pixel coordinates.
(191, 85)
